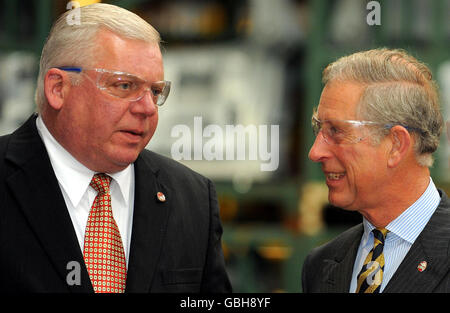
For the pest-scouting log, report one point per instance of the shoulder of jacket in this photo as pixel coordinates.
(169, 166)
(338, 242)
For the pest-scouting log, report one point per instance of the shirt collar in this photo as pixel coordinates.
(411, 222)
(123, 180)
(73, 176)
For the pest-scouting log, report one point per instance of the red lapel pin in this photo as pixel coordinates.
(161, 197)
(422, 266)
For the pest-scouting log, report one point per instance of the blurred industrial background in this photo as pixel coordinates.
(249, 62)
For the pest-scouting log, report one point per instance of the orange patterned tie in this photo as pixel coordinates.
(103, 250)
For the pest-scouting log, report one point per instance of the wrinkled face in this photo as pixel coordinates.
(104, 132)
(356, 173)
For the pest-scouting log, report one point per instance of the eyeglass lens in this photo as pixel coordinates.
(133, 88)
(337, 132)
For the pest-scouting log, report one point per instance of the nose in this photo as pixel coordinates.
(320, 150)
(144, 105)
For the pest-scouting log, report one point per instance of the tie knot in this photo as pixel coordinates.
(380, 234)
(100, 182)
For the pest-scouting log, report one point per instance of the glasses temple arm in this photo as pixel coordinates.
(70, 69)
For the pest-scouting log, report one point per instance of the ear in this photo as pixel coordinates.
(56, 86)
(401, 145)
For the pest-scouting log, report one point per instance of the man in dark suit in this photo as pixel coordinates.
(377, 124)
(83, 207)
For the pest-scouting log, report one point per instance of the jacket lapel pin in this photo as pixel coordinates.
(161, 197)
(422, 266)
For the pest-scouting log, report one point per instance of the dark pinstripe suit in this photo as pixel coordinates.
(329, 268)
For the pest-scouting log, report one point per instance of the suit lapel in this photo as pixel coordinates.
(150, 218)
(431, 246)
(35, 187)
(338, 271)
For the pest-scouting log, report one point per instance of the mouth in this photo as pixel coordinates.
(132, 135)
(133, 132)
(334, 176)
(334, 179)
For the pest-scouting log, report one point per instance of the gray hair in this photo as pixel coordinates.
(399, 90)
(70, 44)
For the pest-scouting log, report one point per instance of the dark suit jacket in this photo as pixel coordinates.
(175, 245)
(329, 268)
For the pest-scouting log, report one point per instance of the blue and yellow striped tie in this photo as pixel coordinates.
(371, 275)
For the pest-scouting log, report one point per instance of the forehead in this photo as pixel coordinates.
(339, 100)
(137, 57)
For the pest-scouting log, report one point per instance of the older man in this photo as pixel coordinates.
(377, 124)
(83, 206)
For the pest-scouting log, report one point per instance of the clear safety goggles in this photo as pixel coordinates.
(124, 85)
(337, 132)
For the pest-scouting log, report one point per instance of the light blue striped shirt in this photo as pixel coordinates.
(403, 231)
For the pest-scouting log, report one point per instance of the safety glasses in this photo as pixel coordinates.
(124, 85)
(335, 131)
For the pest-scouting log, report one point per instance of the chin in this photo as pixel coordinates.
(120, 161)
(341, 201)
(119, 156)
(126, 159)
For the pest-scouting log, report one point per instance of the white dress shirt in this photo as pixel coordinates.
(403, 232)
(74, 179)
